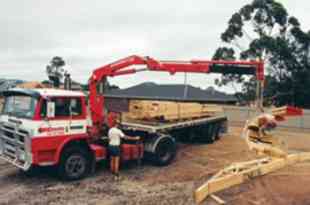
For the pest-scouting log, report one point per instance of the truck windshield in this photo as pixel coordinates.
(19, 106)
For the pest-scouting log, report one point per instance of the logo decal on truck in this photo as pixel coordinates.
(52, 130)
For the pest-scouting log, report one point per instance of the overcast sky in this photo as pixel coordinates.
(89, 34)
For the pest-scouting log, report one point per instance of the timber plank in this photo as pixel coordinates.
(215, 185)
(217, 199)
(165, 110)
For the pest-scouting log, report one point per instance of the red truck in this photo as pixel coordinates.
(62, 128)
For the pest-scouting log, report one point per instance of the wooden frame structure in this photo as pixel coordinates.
(240, 172)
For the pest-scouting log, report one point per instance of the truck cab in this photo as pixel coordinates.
(52, 127)
(36, 125)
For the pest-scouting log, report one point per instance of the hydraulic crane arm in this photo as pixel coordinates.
(125, 66)
(122, 67)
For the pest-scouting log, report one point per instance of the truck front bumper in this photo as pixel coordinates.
(15, 146)
(20, 164)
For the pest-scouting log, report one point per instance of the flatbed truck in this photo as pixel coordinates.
(65, 129)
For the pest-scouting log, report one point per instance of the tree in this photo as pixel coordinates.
(54, 71)
(264, 30)
(57, 62)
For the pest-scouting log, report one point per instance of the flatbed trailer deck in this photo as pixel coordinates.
(155, 127)
(160, 138)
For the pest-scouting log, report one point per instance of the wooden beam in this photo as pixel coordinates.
(170, 111)
(215, 185)
(240, 172)
(217, 199)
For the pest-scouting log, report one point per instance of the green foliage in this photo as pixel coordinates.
(57, 62)
(45, 82)
(277, 38)
(226, 54)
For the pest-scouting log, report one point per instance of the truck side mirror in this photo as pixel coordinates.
(50, 109)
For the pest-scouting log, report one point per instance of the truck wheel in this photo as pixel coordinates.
(211, 133)
(74, 164)
(217, 131)
(165, 151)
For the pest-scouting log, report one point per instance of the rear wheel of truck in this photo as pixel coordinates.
(74, 164)
(217, 131)
(165, 151)
(210, 133)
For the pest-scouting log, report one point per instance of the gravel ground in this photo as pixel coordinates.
(173, 184)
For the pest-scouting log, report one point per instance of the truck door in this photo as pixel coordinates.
(78, 119)
(69, 116)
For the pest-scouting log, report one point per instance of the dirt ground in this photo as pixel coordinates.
(173, 184)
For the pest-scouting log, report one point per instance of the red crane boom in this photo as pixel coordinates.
(124, 67)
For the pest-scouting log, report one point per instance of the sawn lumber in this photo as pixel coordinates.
(168, 111)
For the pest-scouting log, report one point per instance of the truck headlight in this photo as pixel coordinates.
(31, 132)
(22, 156)
(1, 147)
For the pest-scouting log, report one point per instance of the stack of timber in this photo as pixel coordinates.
(168, 111)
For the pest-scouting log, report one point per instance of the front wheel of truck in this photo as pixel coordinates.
(74, 164)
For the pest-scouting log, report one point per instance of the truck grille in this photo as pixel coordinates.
(13, 144)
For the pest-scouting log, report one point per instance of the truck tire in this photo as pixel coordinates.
(211, 133)
(165, 151)
(217, 128)
(74, 163)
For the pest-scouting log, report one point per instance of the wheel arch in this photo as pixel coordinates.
(150, 145)
(80, 141)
